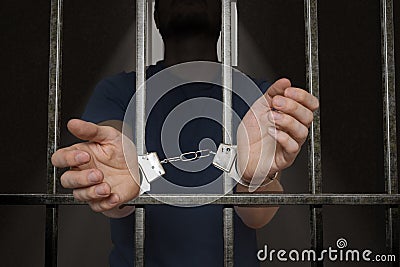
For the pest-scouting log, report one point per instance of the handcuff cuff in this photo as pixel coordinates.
(150, 166)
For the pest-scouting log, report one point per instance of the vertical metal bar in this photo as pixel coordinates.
(314, 148)
(227, 124)
(228, 237)
(139, 236)
(389, 120)
(234, 32)
(227, 77)
(54, 105)
(149, 33)
(141, 24)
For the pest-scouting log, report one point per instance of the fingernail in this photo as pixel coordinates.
(290, 93)
(82, 157)
(93, 177)
(279, 102)
(101, 191)
(272, 131)
(273, 116)
(114, 199)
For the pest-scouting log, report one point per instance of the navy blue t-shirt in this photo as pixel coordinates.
(174, 236)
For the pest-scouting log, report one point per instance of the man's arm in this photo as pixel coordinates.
(257, 217)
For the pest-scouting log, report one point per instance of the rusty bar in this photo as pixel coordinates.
(228, 230)
(141, 24)
(389, 121)
(314, 148)
(235, 199)
(53, 135)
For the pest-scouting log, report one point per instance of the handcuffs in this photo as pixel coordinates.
(151, 167)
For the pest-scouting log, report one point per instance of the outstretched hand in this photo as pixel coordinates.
(98, 171)
(274, 129)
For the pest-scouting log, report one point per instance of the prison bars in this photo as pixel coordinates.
(53, 135)
(141, 25)
(314, 144)
(315, 199)
(228, 224)
(239, 199)
(389, 120)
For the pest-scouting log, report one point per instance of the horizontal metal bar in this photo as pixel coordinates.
(236, 199)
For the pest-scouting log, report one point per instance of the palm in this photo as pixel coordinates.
(258, 150)
(108, 157)
(269, 140)
(255, 145)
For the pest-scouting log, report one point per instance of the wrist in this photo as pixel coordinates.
(273, 187)
(253, 182)
(269, 179)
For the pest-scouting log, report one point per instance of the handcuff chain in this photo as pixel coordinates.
(192, 156)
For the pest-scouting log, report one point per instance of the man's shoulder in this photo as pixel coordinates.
(127, 80)
(122, 80)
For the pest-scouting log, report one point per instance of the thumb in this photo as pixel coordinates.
(91, 132)
(278, 88)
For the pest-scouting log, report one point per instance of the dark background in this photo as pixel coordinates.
(99, 41)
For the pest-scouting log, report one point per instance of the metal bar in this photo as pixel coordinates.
(234, 32)
(149, 32)
(314, 148)
(228, 230)
(228, 237)
(139, 236)
(53, 135)
(51, 236)
(389, 120)
(227, 77)
(141, 24)
(235, 199)
(313, 86)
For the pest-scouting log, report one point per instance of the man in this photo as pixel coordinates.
(182, 236)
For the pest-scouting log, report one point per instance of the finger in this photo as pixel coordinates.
(105, 204)
(278, 88)
(91, 132)
(303, 97)
(293, 108)
(82, 178)
(288, 143)
(68, 157)
(290, 125)
(99, 191)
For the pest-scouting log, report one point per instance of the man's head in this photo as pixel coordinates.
(184, 18)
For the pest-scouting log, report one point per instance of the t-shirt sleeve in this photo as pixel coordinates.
(108, 102)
